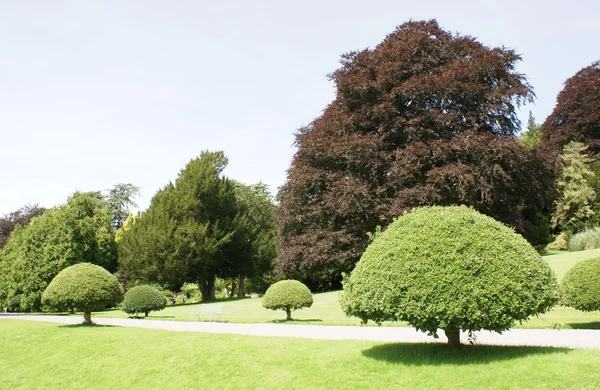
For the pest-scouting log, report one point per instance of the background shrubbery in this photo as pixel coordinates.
(588, 239)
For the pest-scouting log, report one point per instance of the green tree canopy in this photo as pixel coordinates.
(449, 268)
(20, 217)
(85, 287)
(576, 195)
(180, 238)
(120, 199)
(79, 231)
(531, 137)
(252, 249)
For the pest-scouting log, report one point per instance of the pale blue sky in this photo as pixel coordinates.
(93, 93)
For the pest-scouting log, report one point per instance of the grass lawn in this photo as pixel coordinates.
(327, 311)
(43, 355)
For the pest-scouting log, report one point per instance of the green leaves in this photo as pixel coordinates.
(85, 287)
(449, 268)
(287, 295)
(143, 299)
(580, 288)
(576, 195)
(79, 231)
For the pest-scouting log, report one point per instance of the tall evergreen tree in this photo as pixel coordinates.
(576, 195)
(531, 137)
(252, 250)
(180, 238)
(426, 117)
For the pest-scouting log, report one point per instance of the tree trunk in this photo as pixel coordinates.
(453, 336)
(87, 317)
(288, 312)
(211, 287)
(233, 286)
(241, 292)
(146, 314)
(203, 289)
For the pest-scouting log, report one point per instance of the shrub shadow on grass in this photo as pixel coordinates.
(89, 326)
(294, 321)
(434, 354)
(585, 325)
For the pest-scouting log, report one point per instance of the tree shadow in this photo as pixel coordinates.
(295, 321)
(157, 316)
(82, 325)
(585, 325)
(435, 354)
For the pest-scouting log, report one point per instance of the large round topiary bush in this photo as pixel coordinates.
(580, 287)
(287, 295)
(143, 299)
(449, 268)
(85, 287)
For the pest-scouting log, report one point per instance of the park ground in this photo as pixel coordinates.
(47, 355)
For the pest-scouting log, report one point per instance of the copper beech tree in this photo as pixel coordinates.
(426, 117)
(576, 116)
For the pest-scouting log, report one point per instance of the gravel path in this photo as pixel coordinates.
(534, 337)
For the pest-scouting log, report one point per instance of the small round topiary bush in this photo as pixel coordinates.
(85, 287)
(287, 295)
(580, 288)
(449, 268)
(143, 299)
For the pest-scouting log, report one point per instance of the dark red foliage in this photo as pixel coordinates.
(576, 116)
(427, 117)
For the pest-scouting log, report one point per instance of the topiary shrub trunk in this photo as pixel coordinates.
(453, 336)
(288, 313)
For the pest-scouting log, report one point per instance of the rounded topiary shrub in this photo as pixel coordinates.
(449, 268)
(143, 299)
(287, 295)
(580, 287)
(85, 287)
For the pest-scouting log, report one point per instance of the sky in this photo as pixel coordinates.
(94, 93)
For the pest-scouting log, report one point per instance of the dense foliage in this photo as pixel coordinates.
(576, 116)
(426, 117)
(252, 249)
(79, 231)
(199, 228)
(580, 288)
(85, 287)
(575, 194)
(143, 299)
(287, 295)
(21, 217)
(449, 268)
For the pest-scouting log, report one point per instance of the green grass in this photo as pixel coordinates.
(50, 356)
(326, 309)
(563, 261)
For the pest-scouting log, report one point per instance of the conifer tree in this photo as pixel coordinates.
(576, 195)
